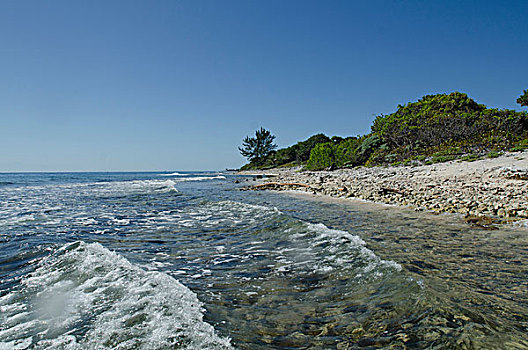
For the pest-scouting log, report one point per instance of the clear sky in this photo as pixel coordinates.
(176, 85)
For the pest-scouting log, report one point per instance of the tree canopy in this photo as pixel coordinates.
(257, 148)
(523, 99)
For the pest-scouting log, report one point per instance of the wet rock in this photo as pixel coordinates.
(378, 341)
(484, 222)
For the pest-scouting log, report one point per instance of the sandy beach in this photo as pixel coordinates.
(485, 191)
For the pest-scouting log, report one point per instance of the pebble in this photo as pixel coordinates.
(500, 192)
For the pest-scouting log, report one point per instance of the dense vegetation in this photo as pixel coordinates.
(435, 128)
(297, 154)
(447, 126)
(348, 152)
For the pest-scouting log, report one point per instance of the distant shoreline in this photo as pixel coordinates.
(486, 191)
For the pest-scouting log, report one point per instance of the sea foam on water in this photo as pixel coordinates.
(86, 297)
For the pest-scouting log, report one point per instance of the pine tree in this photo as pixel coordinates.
(257, 148)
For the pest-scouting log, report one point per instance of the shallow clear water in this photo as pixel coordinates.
(184, 260)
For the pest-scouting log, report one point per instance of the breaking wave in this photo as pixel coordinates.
(86, 297)
(201, 178)
(173, 174)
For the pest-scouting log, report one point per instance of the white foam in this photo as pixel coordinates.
(135, 187)
(201, 178)
(173, 174)
(70, 204)
(310, 246)
(105, 302)
(210, 215)
(520, 224)
(338, 239)
(315, 248)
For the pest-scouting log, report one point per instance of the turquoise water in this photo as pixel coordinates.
(185, 260)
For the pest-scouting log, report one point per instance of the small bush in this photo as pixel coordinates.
(493, 154)
(322, 157)
(520, 146)
(347, 152)
(391, 158)
(470, 157)
(442, 159)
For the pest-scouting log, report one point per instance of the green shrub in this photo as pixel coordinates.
(288, 165)
(440, 119)
(346, 152)
(322, 157)
(370, 144)
(303, 149)
(293, 155)
(442, 158)
(493, 154)
(391, 158)
(470, 157)
(520, 146)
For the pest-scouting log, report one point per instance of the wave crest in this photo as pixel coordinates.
(87, 297)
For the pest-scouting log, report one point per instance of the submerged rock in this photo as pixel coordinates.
(484, 222)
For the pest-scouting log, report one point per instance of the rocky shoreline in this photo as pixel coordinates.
(485, 191)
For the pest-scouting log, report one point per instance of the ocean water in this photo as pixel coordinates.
(181, 260)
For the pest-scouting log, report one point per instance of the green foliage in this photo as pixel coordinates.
(493, 154)
(523, 99)
(288, 165)
(322, 156)
(284, 156)
(337, 139)
(302, 149)
(417, 124)
(349, 152)
(447, 124)
(369, 144)
(391, 158)
(438, 119)
(257, 148)
(436, 128)
(442, 158)
(518, 148)
(470, 157)
(293, 155)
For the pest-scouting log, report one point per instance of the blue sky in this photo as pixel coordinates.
(176, 85)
